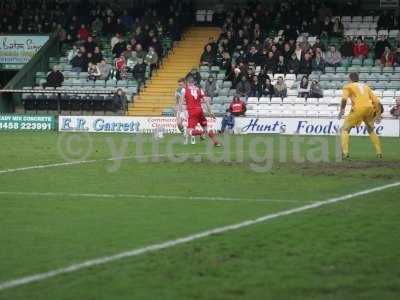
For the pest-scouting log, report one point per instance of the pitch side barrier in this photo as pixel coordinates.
(59, 99)
(389, 127)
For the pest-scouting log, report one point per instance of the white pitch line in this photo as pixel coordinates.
(171, 243)
(142, 196)
(80, 162)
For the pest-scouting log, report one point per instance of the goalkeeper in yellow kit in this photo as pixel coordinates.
(366, 108)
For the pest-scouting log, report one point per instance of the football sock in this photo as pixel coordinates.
(376, 142)
(345, 142)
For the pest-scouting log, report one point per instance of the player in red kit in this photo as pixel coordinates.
(194, 97)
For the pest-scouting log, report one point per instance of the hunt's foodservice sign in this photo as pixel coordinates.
(244, 125)
(16, 50)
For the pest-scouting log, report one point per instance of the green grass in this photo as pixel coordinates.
(346, 250)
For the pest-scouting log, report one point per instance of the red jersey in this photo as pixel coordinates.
(193, 97)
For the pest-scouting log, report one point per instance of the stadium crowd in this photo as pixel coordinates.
(134, 33)
(258, 40)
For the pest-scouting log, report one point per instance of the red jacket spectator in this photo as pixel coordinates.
(83, 33)
(360, 49)
(237, 107)
(120, 63)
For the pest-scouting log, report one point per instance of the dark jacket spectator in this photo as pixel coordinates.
(208, 56)
(281, 67)
(210, 87)
(305, 65)
(79, 63)
(268, 89)
(293, 65)
(347, 47)
(318, 63)
(316, 90)
(256, 87)
(304, 87)
(120, 101)
(55, 78)
(243, 88)
(195, 74)
(380, 46)
(90, 44)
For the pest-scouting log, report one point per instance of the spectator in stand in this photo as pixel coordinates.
(128, 52)
(287, 52)
(304, 45)
(72, 53)
(117, 38)
(270, 63)
(243, 88)
(316, 90)
(228, 121)
(151, 59)
(90, 58)
(109, 27)
(132, 61)
(346, 49)
(395, 111)
(280, 89)
(293, 65)
(299, 52)
(256, 87)
(210, 87)
(105, 69)
(234, 76)
(120, 101)
(120, 67)
(318, 44)
(90, 44)
(119, 47)
(139, 71)
(360, 48)
(97, 25)
(337, 28)
(281, 67)
(380, 46)
(333, 57)
(226, 62)
(397, 57)
(268, 89)
(93, 72)
(315, 27)
(140, 53)
(253, 57)
(208, 56)
(318, 63)
(97, 55)
(195, 74)
(83, 33)
(237, 107)
(306, 65)
(79, 63)
(55, 78)
(388, 58)
(327, 27)
(304, 87)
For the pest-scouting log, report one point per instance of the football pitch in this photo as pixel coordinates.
(107, 216)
